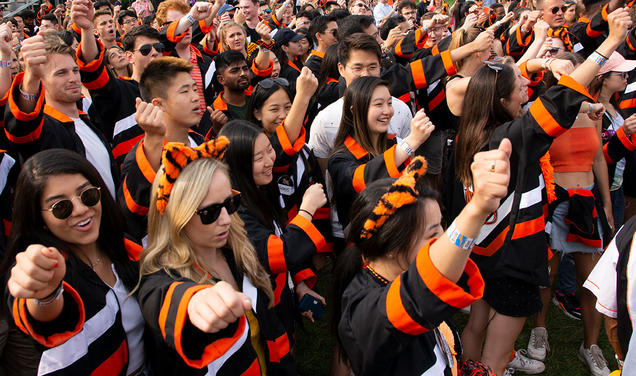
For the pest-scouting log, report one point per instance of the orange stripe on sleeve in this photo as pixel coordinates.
(165, 307)
(265, 72)
(93, 65)
(448, 63)
(170, 33)
(571, 83)
(99, 83)
(358, 179)
(545, 119)
(629, 145)
(528, 228)
(417, 72)
(306, 275)
(285, 142)
(276, 255)
(143, 164)
(308, 227)
(278, 348)
(396, 313)
(389, 162)
(133, 206)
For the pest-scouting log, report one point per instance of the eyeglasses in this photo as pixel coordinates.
(556, 10)
(268, 83)
(211, 213)
(623, 75)
(362, 5)
(146, 48)
(372, 69)
(63, 208)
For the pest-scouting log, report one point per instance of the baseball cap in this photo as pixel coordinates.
(224, 8)
(285, 35)
(617, 63)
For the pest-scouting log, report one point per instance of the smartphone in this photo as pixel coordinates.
(309, 303)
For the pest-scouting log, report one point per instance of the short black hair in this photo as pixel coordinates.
(357, 41)
(353, 24)
(103, 3)
(405, 4)
(227, 58)
(13, 21)
(496, 5)
(125, 13)
(27, 13)
(159, 76)
(339, 13)
(50, 17)
(66, 36)
(310, 14)
(390, 24)
(141, 30)
(319, 25)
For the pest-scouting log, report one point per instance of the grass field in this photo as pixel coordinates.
(316, 342)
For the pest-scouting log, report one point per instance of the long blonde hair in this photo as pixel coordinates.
(170, 249)
(223, 30)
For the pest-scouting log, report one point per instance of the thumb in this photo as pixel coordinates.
(247, 302)
(506, 146)
(137, 102)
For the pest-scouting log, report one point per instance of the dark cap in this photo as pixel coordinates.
(284, 36)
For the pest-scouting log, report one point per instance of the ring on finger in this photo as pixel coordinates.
(493, 164)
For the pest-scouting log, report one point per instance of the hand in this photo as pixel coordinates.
(470, 21)
(301, 290)
(58, 12)
(421, 129)
(200, 10)
(491, 186)
(481, 18)
(610, 218)
(508, 17)
(595, 111)
(263, 30)
(394, 37)
(533, 17)
(225, 18)
(150, 118)
(523, 18)
(541, 29)
(82, 12)
(306, 84)
(6, 41)
(239, 17)
(217, 117)
(37, 272)
(619, 23)
(214, 308)
(439, 20)
(544, 51)
(559, 67)
(314, 198)
(629, 126)
(34, 55)
(483, 41)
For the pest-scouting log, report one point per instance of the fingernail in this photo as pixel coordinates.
(55, 265)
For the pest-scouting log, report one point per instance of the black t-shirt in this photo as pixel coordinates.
(252, 35)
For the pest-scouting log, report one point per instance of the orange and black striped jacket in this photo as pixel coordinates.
(179, 348)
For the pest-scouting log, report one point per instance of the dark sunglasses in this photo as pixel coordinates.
(211, 213)
(555, 10)
(334, 32)
(63, 208)
(146, 48)
(268, 10)
(268, 83)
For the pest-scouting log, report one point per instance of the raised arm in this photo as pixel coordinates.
(306, 85)
(82, 16)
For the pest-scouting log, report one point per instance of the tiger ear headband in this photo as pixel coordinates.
(176, 156)
(402, 192)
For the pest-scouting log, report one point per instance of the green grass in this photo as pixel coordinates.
(315, 343)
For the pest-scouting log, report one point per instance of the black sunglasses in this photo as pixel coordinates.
(146, 48)
(211, 213)
(268, 83)
(63, 208)
(555, 10)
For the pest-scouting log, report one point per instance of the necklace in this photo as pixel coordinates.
(376, 275)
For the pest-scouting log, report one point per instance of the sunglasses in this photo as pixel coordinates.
(268, 83)
(211, 213)
(268, 10)
(624, 75)
(63, 208)
(334, 32)
(555, 10)
(146, 48)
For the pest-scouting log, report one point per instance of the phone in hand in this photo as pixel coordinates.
(310, 303)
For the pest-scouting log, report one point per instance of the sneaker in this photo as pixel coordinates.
(538, 345)
(521, 363)
(509, 372)
(569, 304)
(594, 360)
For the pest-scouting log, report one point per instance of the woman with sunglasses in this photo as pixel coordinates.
(512, 248)
(363, 151)
(207, 299)
(71, 276)
(284, 242)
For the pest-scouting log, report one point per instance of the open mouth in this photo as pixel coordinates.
(83, 225)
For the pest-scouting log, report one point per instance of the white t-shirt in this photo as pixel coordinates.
(324, 128)
(96, 152)
(133, 322)
(380, 11)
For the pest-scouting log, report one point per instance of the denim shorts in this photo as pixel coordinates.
(560, 231)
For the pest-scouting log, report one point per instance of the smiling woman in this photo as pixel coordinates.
(72, 275)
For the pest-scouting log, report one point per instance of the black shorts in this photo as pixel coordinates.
(512, 296)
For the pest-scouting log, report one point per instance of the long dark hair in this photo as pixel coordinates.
(258, 97)
(398, 234)
(355, 109)
(28, 225)
(482, 112)
(262, 201)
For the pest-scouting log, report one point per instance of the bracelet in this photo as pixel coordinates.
(406, 148)
(51, 297)
(460, 240)
(601, 54)
(266, 45)
(29, 97)
(589, 108)
(545, 64)
(307, 211)
(5, 64)
(190, 19)
(597, 58)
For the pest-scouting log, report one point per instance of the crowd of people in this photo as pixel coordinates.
(175, 177)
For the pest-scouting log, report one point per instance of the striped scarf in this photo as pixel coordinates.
(196, 76)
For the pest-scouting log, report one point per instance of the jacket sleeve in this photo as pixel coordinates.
(286, 152)
(551, 115)
(619, 146)
(383, 321)
(164, 304)
(289, 252)
(134, 193)
(517, 43)
(410, 43)
(52, 333)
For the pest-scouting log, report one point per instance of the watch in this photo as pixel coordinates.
(406, 148)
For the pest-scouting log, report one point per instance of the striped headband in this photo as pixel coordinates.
(176, 156)
(402, 192)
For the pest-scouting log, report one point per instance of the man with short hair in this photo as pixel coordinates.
(233, 74)
(359, 7)
(37, 122)
(382, 12)
(330, 6)
(323, 31)
(249, 9)
(49, 22)
(126, 20)
(303, 19)
(105, 28)
(408, 9)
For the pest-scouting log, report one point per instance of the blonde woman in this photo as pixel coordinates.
(204, 294)
(232, 36)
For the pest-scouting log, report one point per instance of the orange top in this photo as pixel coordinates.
(574, 150)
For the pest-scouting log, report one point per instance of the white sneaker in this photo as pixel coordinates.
(594, 360)
(521, 363)
(538, 345)
(509, 372)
